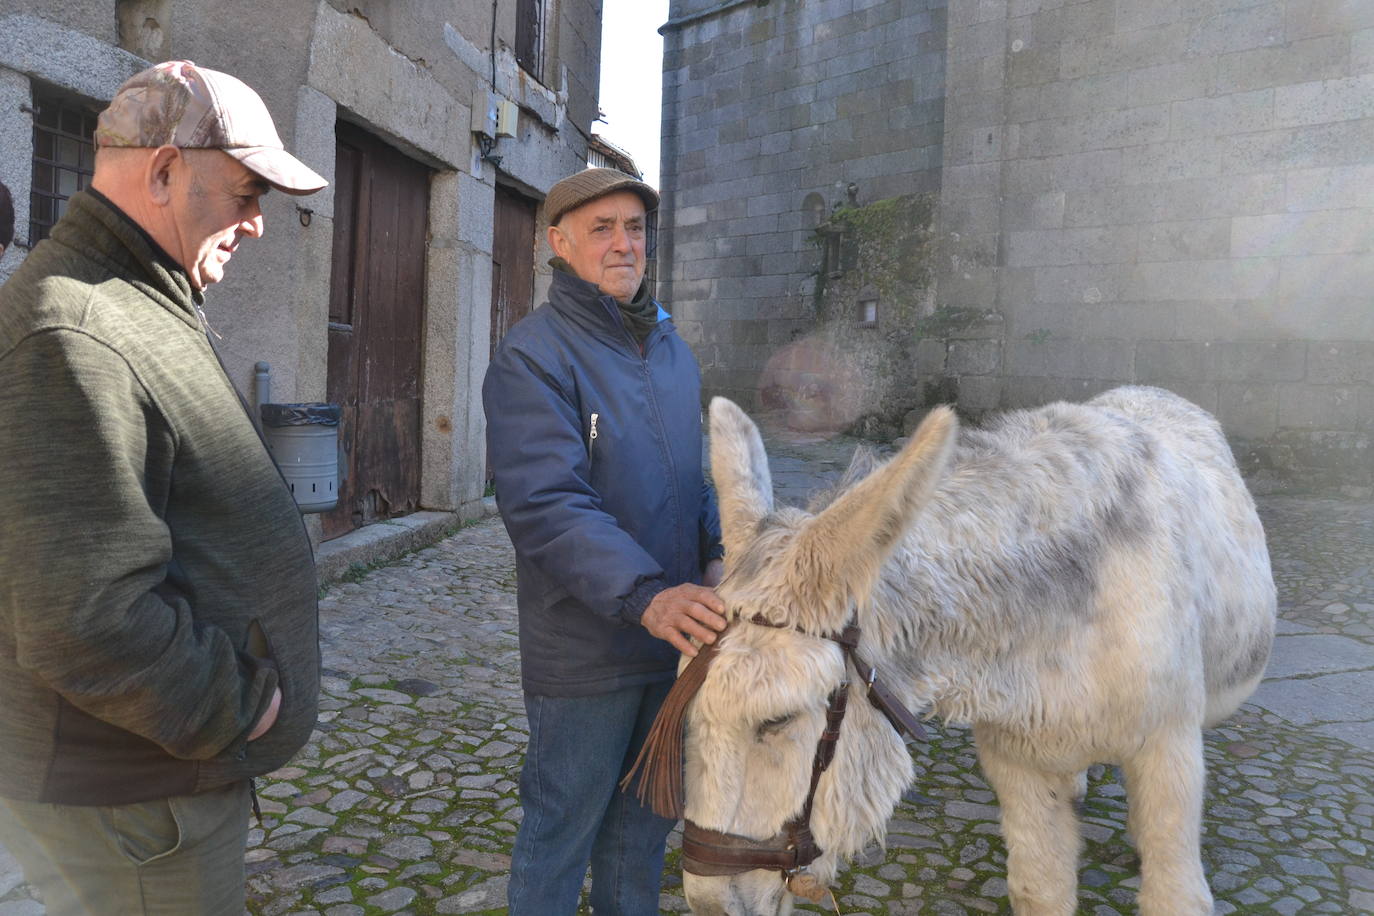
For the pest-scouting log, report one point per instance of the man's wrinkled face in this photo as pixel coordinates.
(603, 241)
(216, 203)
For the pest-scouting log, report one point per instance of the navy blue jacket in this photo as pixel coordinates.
(596, 450)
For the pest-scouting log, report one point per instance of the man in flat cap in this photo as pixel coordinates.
(158, 634)
(593, 408)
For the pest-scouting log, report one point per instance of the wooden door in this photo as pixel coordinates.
(512, 262)
(376, 327)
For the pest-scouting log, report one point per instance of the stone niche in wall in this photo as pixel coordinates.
(143, 27)
(857, 370)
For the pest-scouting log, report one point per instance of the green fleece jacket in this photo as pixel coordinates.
(156, 580)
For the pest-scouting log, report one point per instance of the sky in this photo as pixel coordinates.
(632, 79)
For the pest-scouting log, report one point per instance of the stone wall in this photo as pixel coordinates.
(857, 369)
(409, 71)
(1179, 195)
(1156, 192)
(776, 113)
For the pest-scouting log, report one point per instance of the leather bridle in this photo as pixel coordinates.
(793, 849)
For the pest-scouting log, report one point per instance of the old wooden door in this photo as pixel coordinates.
(512, 262)
(376, 322)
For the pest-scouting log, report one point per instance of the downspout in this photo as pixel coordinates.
(262, 390)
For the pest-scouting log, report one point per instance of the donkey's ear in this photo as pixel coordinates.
(739, 467)
(836, 558)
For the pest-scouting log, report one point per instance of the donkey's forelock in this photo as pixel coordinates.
(757, 585)
(762, 672)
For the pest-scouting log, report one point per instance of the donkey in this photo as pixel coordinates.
(1082, 583)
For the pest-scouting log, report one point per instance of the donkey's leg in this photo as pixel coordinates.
(1165, 783)
(1040, 828)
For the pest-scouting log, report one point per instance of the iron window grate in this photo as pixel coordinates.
(529, 37)
(63, 159)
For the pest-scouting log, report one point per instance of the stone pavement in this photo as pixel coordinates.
(404, 800)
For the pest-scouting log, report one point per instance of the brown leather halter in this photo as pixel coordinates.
(793, 849)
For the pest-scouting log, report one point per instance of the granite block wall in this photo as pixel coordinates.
(1155, 192)
(1174, 194)
(774, 115)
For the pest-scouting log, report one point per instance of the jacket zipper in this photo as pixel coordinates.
(643, 352)
(205, 326)
(591, 440)
(667, 452)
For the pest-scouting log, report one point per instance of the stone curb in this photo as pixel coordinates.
(382, 542)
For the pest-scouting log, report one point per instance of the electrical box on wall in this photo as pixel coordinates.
(484, 110)
(507, 118)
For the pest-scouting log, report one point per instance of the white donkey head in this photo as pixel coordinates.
(754, 726)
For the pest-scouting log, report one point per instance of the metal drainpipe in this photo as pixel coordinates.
(262, 390)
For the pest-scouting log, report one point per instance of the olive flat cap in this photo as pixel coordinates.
(576, 190)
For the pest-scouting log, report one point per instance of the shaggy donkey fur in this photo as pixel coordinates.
(1082, 583)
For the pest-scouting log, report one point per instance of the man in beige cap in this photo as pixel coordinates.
(593, 408)
(158, 633)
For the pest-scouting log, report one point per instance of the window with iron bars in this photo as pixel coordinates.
(63, 158)
(529, 37)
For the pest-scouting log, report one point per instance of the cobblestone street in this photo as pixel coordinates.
(405, 799)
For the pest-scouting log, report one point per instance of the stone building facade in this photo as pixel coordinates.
(774, 116)
(419, 85)
(1157, 192)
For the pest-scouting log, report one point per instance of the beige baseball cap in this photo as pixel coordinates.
(179, 104)
(589, 184)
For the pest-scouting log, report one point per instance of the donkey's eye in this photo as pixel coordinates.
(775, 724)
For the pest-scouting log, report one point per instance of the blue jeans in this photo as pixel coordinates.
(575, 813)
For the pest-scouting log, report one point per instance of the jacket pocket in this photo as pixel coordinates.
(259, 647)
(592, 435)
(146, 831)
(257, 644)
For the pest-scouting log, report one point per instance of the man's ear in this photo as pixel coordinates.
(160, 173)
(558, 242)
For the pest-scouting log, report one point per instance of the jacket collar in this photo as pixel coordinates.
(103, 232)
(585, 305)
